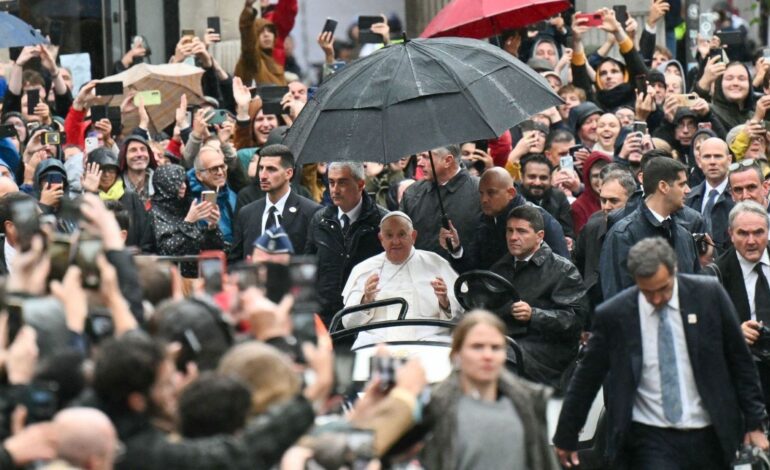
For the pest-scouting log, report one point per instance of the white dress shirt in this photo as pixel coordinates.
(279, 205)
(10, 253)
(750, 277)
(353, 214)
(720, 189)
(648, 403)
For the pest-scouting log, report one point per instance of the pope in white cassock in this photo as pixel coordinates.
(424, 279)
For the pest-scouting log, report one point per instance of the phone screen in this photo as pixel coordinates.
(85, 258)
(33, 97)
(109, 88)
(212, 22)
(330, 26)
(26, 220)
(212, 272)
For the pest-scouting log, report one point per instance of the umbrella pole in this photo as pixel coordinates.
(444, 218)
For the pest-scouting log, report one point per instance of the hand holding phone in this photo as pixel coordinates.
(591, 20)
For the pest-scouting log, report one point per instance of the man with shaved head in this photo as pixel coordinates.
(86, 438)
(712, 197)
(498, 198)
(424, 279)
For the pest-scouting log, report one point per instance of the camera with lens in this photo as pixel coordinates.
(761, 347)
(750, 458)
(701, 243)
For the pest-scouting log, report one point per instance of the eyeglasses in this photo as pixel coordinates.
(746, 163)
(216, 169)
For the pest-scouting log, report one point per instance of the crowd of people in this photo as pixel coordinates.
(631, 222)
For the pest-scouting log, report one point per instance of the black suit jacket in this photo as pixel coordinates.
(724, 372)
(722, 207)
(295, 219)
(728, 270)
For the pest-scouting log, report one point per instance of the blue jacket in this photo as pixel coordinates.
(225, 200)
(625, 233)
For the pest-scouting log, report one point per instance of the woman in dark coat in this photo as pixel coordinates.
(182, 225)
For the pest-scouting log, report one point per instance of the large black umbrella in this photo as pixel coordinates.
(411, 97)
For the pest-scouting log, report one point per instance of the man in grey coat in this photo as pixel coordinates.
(459, 193)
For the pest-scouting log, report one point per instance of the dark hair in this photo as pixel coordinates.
(6, 203)
(529, 213)
(279, 150)
(661, 169)
(32, 78)
(125, 365)
(120, 213)
(654, 153)
(535, 158)
(559, 136)
(155, 279)
(213, 404)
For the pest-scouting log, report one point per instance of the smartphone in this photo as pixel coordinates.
(52, 138)
(191, 349)
(109, 88)
(15, 307)
(92, 143)
(538, 27)
(640, 82)
(212, 22)
(621, 14)
(640, 126)
(85, 258)
(188, 33)
(330, 26)
(271, 98)
(211, 267)
(716, 52)
(9, 5)
(385, 368)
(219, 116)
(41, 401)
(26, 219)
(7, 130)
(209, 196)
(482, 145)
(730, 38)
(704, 125)
(60, 253)
(685, 100)
(33, 97)
(56, 32)
(365, 34)
(706, 26)
(149, 97)
(766, 53)
(567, 163)
(575, 148)
(592, 20)
(54, 178)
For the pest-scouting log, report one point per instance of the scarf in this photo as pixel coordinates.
(114, 193)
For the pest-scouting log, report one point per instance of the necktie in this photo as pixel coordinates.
(668, 230)
(713, 194)
(762, 296)
(669, 373)
(271, 216)
(345, 224)
(518, 265)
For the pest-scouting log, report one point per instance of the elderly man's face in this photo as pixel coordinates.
(344, 189)
(397, 239)
(749, 235)
(213, 174)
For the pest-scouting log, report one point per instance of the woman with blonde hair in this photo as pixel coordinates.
(482, 416)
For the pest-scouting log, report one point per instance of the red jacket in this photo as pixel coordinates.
(75, 126)
(282, 16)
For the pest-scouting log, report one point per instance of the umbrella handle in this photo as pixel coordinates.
(445, 224)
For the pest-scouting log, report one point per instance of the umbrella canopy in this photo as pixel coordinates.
(411, 97)
(172, 80)
(484, 18)
(15, 33)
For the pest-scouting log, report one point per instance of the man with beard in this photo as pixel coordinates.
(536, 188)
(281, 208)
(137, 162)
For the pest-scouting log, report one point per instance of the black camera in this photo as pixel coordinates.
(701, 243)
(750, 458)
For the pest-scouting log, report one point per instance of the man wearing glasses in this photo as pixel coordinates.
(210, 174)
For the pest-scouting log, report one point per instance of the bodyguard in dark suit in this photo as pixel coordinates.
(743, 271)
(712, 197)
(681, 391)
(665, 184)
(281, 207)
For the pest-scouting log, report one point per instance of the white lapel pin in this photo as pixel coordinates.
(292, 209)
(692, 318)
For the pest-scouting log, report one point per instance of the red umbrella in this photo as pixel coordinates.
(484, 18)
